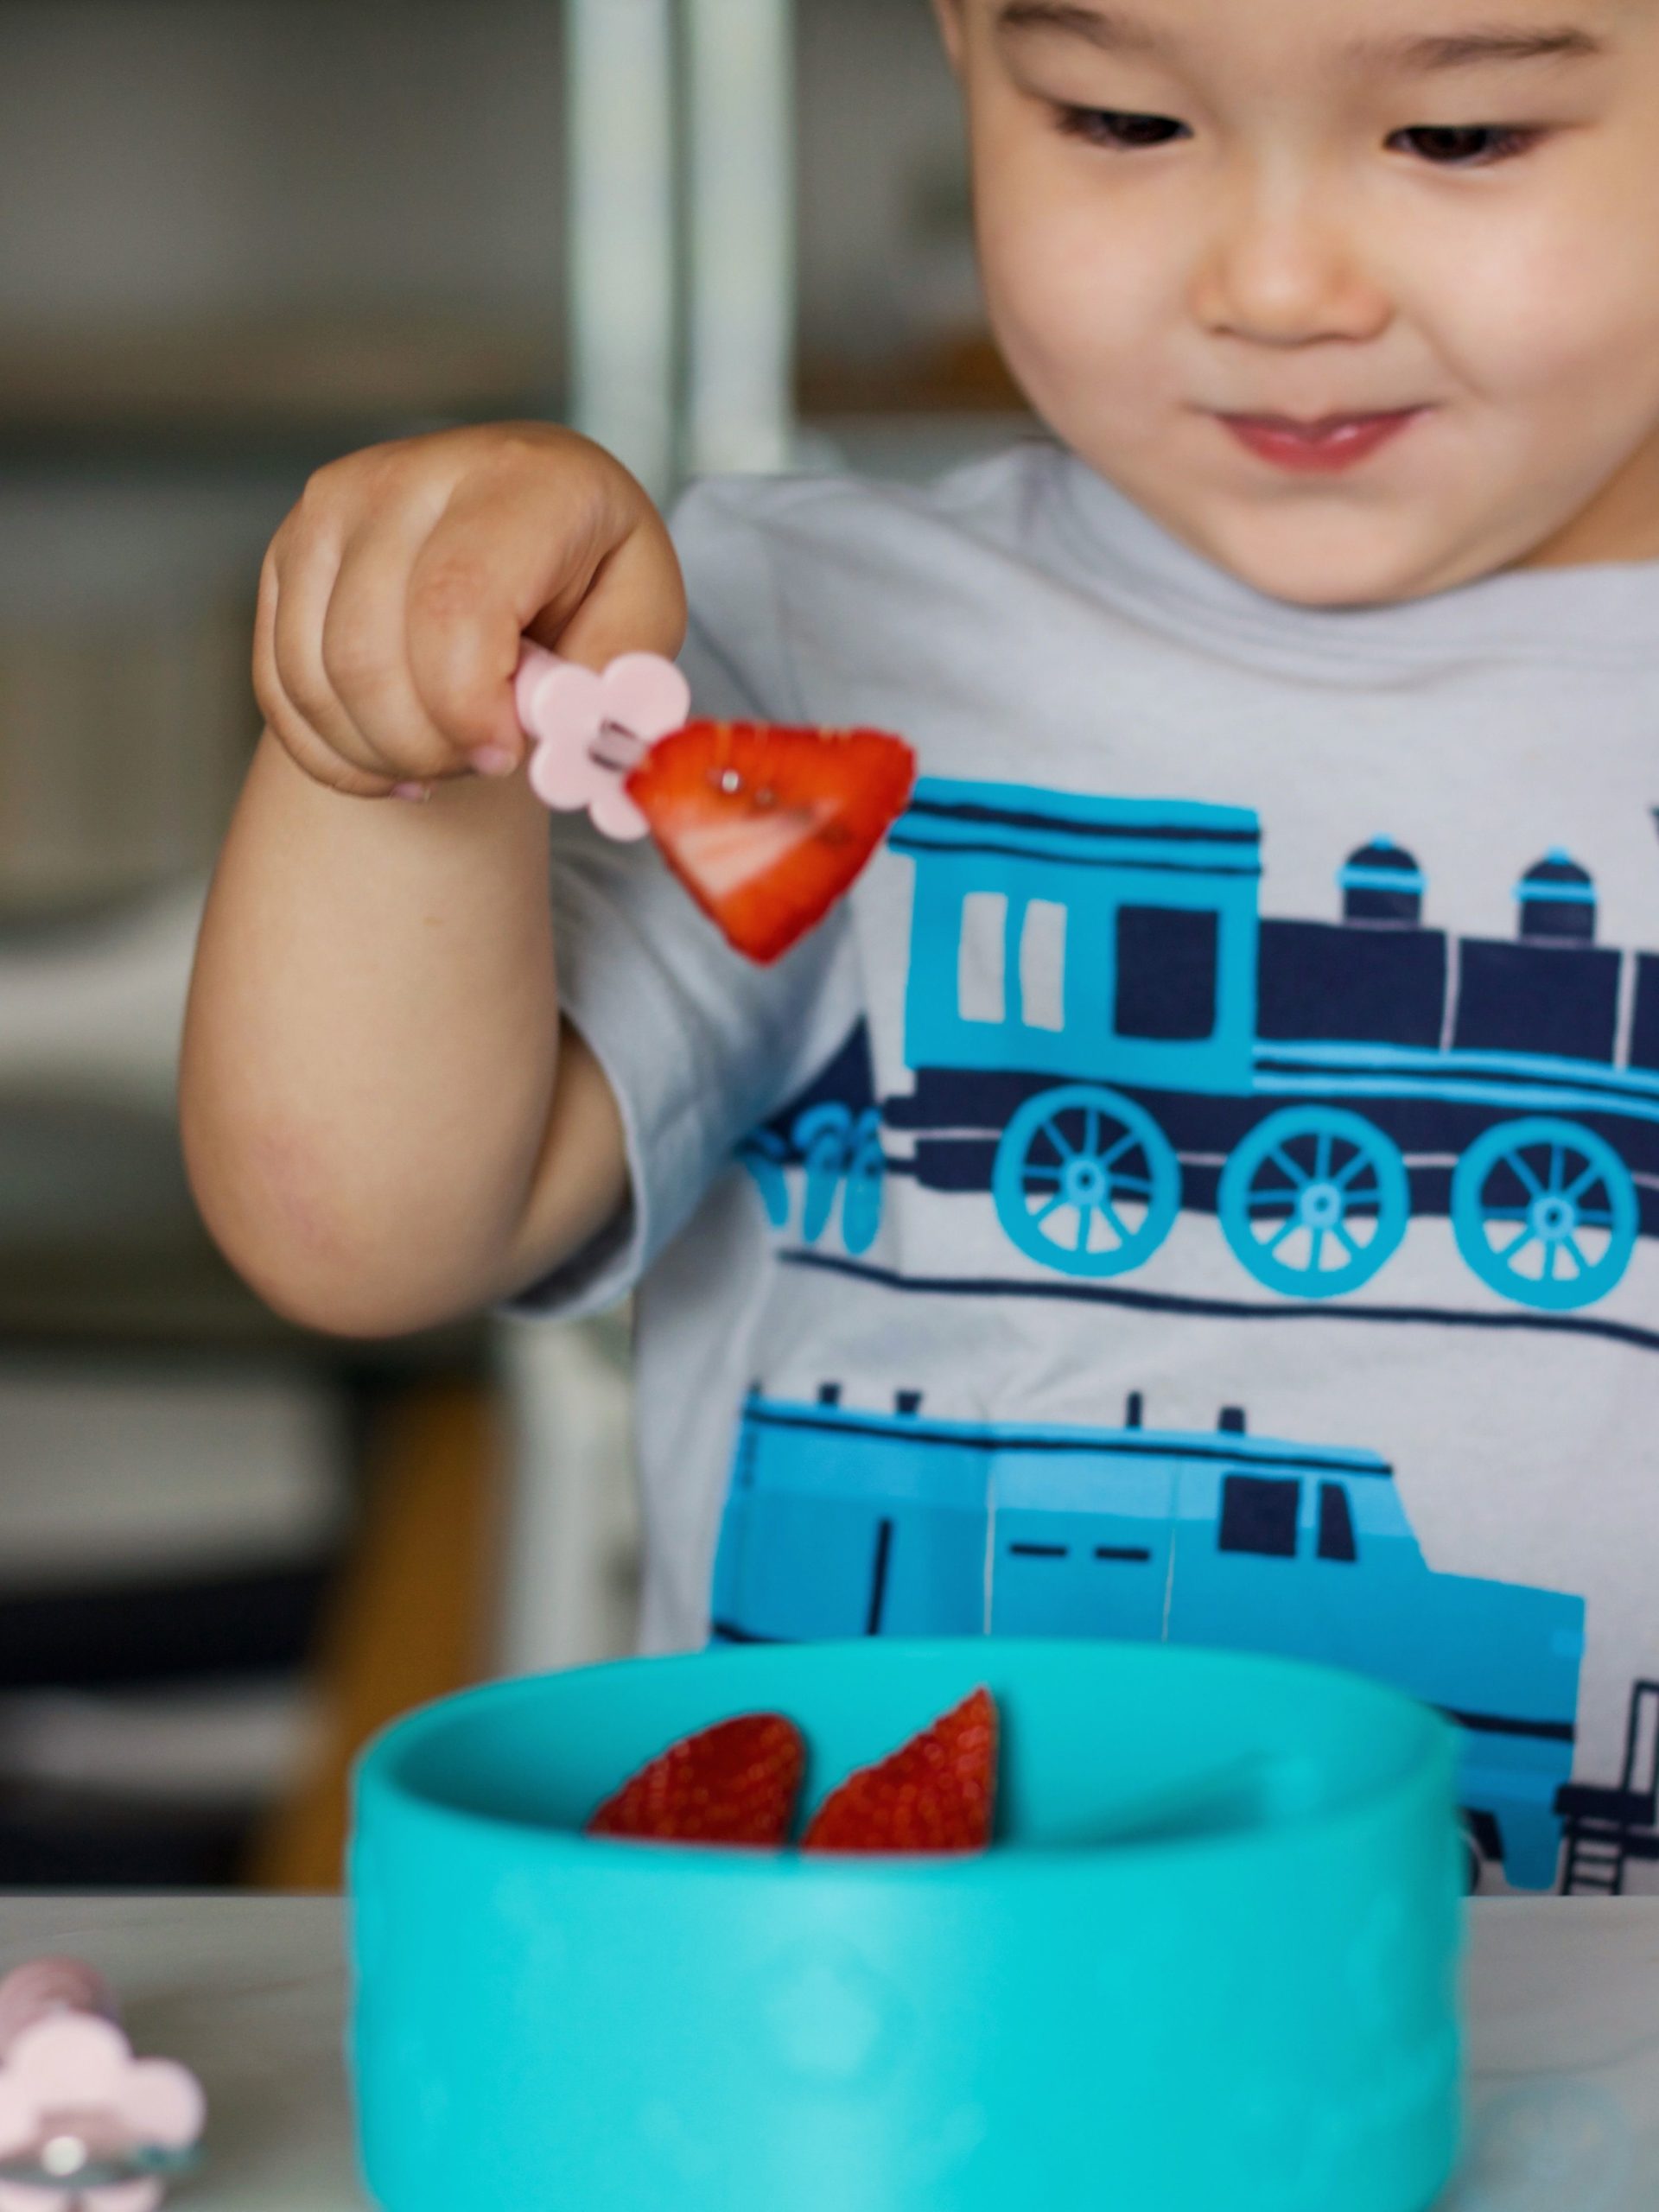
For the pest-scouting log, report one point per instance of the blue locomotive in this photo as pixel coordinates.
(1103, 1030)
(845, 1523)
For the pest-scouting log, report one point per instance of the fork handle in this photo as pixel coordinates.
(44, 1987)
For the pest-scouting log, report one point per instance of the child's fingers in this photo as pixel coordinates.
(463, 643)
(522, 547)
(321, 762)
(636, 603)
(267, 690)
(365, 649)
(302, 693)
(293, 729)
(465, 590)
(395, 598)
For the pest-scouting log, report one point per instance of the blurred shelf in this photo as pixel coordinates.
(278, 384)
(57, 1298)
(284, 385)
(964, 376)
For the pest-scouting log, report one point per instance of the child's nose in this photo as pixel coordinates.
(1286, 269)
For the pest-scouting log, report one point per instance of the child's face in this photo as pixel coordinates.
(1359, 297)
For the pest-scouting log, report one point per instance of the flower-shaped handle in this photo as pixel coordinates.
(43, 1987)
(83, 2123)
(588, 728)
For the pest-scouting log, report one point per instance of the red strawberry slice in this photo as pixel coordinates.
(734, 1784)
(767, 827)
(937, 1792)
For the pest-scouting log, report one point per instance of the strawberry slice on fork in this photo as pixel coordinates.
(767, 827)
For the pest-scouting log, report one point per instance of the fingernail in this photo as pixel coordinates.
(417, 794)
(494, 761)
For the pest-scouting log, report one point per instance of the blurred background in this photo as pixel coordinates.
(237, 237)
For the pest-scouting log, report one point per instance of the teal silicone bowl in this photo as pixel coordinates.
(1246, 2005)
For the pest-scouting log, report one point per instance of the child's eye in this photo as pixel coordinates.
(1464, 146)
(1110, 126)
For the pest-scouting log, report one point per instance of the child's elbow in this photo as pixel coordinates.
(315, 1257)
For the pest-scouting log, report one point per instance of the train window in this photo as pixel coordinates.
(1167, 966)
(1335, 1524)
(1042, 965)
(982, 957)
(1259, 1513)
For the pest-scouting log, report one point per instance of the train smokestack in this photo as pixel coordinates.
(1557, 899)
(1382, 882)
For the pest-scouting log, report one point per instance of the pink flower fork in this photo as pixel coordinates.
(83, 2123)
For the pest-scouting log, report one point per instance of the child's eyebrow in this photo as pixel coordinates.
(1114, 31)
(1110, 29)
(1475, 48)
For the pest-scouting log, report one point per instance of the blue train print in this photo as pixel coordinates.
(846, 1523)
(1104, 1030)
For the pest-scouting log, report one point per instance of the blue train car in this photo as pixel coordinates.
(843, 1523)
(1104, 1030)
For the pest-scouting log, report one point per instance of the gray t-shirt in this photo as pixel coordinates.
(1200, 1185)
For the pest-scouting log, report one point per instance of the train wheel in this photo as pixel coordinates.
(866, 1181)
(1086, 1181)
(762, 1154)
(1546, 1213)
(824, 1135)
(1315, 1201)
(1482, 1847)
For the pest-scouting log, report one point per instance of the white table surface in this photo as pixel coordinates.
(1564, 2003)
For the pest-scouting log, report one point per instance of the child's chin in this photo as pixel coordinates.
(1347, 561)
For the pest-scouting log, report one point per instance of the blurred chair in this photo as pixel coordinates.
(227, 1549)
(171, 1495)
(229, 1552)
(412, 1615)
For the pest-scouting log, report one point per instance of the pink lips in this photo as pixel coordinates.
(1335, 443)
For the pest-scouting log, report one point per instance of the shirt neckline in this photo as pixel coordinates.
(1600, 615)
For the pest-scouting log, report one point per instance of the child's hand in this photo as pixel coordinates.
(393, 598)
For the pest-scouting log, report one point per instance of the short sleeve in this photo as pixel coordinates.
(698, 1045)
(737, 650)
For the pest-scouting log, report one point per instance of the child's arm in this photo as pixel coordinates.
(385, 1124)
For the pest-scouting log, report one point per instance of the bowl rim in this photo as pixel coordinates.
(381, 1778)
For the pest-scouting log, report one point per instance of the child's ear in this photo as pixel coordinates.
(950, 15)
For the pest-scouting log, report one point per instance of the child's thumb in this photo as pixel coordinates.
(635, 603)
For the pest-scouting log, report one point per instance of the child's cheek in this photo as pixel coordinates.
(1557, 307)
(1082, 299)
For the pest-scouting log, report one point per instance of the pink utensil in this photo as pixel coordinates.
(588, 728)
(85, 2126)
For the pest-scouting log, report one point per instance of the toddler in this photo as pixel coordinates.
(1203, 1184)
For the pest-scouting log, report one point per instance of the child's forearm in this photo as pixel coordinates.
(383, 1124)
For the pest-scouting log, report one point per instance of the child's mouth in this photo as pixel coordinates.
(1334, 443)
